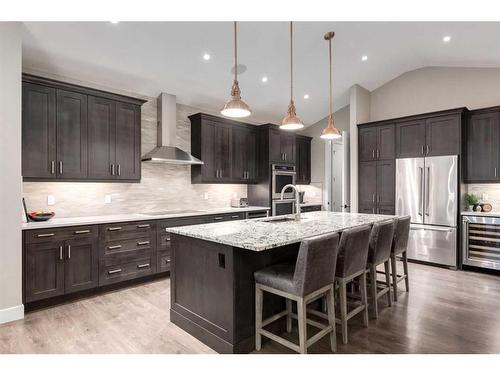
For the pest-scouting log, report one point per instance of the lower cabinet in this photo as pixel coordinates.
(311, 208)
(376, 182)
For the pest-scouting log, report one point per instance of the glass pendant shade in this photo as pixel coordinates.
(235, 107)
(330, 132)
(291, 121)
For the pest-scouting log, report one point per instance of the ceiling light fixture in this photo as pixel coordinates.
(330, 132)
(206, 56)
(364, 58)
(447, 39)
(264, 79)
(291, 121)
(235, 107)
(114, 22)
(306, 96)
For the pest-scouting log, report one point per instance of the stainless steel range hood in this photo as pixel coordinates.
(166, 152)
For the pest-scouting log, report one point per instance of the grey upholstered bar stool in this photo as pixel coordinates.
(311, 277)
(351, 265)
(399, 247)
(379, 252)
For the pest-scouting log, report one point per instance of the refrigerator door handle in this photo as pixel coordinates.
(427, 195)
(421, 193)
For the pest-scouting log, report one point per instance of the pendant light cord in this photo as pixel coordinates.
(235, 52)
(331, 93)
(291, 61)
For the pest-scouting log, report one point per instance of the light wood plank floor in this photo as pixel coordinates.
(445, 312)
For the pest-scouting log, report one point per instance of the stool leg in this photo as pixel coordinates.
(330, 301)
(258, 317)
(289, 315)
(373, 285)
(364, 298)
(405, 268)
(394, 272)
(301, 317)
(388, 281)
(343, 309)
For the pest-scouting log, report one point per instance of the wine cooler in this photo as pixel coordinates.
(481, 241)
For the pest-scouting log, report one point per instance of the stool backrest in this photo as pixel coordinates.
(353, 251)
(401, 234)
(315, 263)
(381, 238)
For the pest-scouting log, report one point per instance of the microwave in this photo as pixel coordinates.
(282, 175)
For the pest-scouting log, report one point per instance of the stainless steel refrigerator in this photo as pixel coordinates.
(427, 190)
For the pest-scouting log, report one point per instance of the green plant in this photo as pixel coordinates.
(472, 199)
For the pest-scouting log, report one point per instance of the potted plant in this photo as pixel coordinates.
(472, 201)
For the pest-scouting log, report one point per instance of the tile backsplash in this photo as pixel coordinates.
(162, 187)
(492, 192)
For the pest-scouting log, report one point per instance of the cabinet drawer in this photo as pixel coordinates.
(226, 217)
(61, 234)
(164, 259)
(127, 247)
(311, 208)
(125, 231)
(126, 271)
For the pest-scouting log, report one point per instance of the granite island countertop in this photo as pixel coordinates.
(260, 234)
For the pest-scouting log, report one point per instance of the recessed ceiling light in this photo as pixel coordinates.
(364, 58)
(446, 39)
(306, 96)
(114, 22)
(206, 57)
(264, 79)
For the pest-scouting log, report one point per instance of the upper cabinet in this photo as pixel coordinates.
(376, 142)
(281, 145)
(74, 133)
(482, 146)
(244, 149)
(303, 156)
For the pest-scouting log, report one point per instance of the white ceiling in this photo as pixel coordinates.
(150, 57)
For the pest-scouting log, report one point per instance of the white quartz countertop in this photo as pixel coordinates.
(102, 219)
(473, 213)
(258, 235)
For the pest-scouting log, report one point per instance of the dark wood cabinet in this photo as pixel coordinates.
(367, 183)
(367, 143)
(81, 268)
(386, 142)
(303, 159)
(281, 145)
(410, 139)
(39, 131)
(244, 162)
(386, 183)
(223, 152)
(482, 146)
(376, 182)
(376, 143)
(443, 135)
(76, 133)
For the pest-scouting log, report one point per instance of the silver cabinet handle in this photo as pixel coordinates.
(114, 271)
(218, 218)
(427, 150)
(168, 237)
(114, 247)
(142, 243)
(143, 226)
(60, 252)
(373, 198)
(378, 198)
(373, 154)
(45, 235)
(373, 210)
(119, 169)
(217, 173)
(69, 251)
(495, 171)
(235, 217)
(465, 238)
(221, 173)
(81, 231)
(52, 167)
(378, 154)
(113, 229)
(423, 150)
(112, 169)
(60, 167)
(143, 265)
(285, 156)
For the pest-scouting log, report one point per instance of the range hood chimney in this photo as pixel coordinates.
(166, 152)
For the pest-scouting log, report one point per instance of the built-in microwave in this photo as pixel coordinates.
(282, 175)
(283, 207)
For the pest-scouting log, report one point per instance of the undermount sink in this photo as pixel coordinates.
(278, 219)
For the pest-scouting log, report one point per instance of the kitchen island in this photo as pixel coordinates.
(212, 284)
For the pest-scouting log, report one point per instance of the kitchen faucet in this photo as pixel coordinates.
(297, 199)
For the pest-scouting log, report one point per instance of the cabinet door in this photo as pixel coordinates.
(223, 152)
(275, 153)
(128, 141)
(370, 209)
(208, 169)
(410, 139)
(386, 183)
(367, 144)
(251, 158)
(101, 137)
(38, 131)
(81, 269)
(44, 271)
(482, 147)
(71, 134)
(287, 142)
(443, 135)
(367, 183)
(385, 142)
(240, 156)
(303, 160)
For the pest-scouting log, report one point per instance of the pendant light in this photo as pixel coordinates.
(330, 132)
(235, 107)
(291, 121)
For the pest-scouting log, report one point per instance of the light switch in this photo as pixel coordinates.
(107, 198)
(51, 200)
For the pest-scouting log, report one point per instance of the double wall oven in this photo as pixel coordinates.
(282, 175)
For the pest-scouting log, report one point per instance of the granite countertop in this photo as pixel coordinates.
(473, 213)
(102, 219)
(258, 235)
(307, 204)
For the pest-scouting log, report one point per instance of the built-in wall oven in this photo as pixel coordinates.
(282, 175)
(481, 241)
(283, 207)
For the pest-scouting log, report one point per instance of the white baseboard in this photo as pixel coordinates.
(11, 314)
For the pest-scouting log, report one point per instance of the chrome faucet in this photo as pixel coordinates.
(297, 199)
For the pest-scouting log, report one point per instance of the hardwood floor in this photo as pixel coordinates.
(445, 312)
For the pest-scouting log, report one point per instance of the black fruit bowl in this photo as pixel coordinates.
(41, 217)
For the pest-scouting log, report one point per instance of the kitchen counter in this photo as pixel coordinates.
(103, 219)
(263, 234)
(307, 204)
(473, 213)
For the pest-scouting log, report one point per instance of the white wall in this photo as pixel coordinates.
(11, 307)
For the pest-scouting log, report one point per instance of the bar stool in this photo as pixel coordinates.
(351, 265)
(379, 251)
(399, 247)
(310, 278)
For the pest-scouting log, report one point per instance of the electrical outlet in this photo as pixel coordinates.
(205, 195)
(51, 200)
(107, 198)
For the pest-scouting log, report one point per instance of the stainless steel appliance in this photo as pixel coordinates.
(282, 175)
(481, 241)
(283, 207)
(427, 190)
